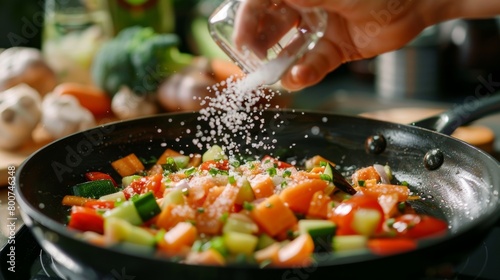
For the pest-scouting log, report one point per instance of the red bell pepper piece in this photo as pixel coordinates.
(389, 246)
(96, 175)
(86, 219)
(146, 184)
(217, 164)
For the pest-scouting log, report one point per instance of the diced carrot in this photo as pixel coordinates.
(270, 253)
(90, 97)
(73, 200)
(296, 253)
(208, 257)
(298, 197)
(316, 161)
(379, 189)
(317, 169)
(128, 165)
(262, 186)
(389, 246)
(320, 205)
(273, 216)
(166, 154)
(194, 160)
(198, 190)
(181, 235)
(173, 214)
(212, 194)
(365, 173)
(210, 220)
(223, 69)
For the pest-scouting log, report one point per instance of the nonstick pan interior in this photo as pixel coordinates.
(464, 189)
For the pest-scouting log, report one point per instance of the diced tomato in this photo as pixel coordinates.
(96, 175)
(419, 226)
(86, 219)
(217, 164)
(99, 204)
(389, 246)
(343, 214)
(146, 184)
(279, 163)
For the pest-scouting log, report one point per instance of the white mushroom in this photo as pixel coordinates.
(126, 104)
(19, 115)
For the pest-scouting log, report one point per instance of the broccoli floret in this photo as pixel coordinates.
(156, 59)
(138, 58)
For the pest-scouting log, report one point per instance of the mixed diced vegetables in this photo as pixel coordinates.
(214, 210)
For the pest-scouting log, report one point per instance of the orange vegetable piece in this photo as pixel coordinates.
(208, 257)
(270, 253)
(379, 189)
(320, 205)
(72, 200)
(389, 246)
(166, 154)
(223, 69)
(173, 214)
(181, 235)
(298, 197)
(365, 173)
(273, 216)
(93, 98)
(262, 186)
(210, 222)
(297, 252)
(128, 165)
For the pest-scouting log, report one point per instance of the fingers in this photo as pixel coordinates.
(313, 67)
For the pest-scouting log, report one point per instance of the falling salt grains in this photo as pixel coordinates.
(233, 111)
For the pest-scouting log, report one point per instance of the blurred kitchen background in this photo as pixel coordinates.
(447, 62)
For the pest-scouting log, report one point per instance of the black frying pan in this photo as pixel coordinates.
(459, 183)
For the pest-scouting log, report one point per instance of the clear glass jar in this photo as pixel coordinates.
(73, 32)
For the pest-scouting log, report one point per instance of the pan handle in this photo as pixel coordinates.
(470, 110)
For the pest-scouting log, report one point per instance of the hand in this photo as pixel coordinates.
(356, 29)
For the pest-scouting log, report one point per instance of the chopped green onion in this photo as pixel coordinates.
(272, 171)
(287, 173)
(248, 206)
(361, 183)
(325, 177)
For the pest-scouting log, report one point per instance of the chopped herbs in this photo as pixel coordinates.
(248, 206)
(361, 183)
(272, 171)
(287, 173)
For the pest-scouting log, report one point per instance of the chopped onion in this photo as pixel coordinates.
(182, 185)
(384, 178)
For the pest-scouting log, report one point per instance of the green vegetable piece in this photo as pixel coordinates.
(366, 221)
(94, 189)
(349, 242)
(118, 230)
(117, 196)
(214, 153)
(216, 243)
(146, 206)
(127, 180)
(175, 196)
(240, 243)
(321, 231)
(245, 194)
(239, 224)
(125, 211)
(265, 241)
(181, 161)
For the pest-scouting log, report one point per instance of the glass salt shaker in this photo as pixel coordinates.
(266, 35)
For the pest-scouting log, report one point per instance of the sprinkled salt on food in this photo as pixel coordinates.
(231, 112)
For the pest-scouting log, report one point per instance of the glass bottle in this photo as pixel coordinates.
(73, 32)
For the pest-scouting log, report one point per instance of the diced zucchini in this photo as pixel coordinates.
(127, 180)
(125, 211)
(118, 230)
(175, 196)
(240, 243)
(321, 231)
(265, 241)
(245, 193)
(146, 206)
(349, 242)
(237, 223)
(214, 153)
(181, 161)
(328, 170)
(366, 221)
(94, 189)
(117, 196)
(217, 243)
